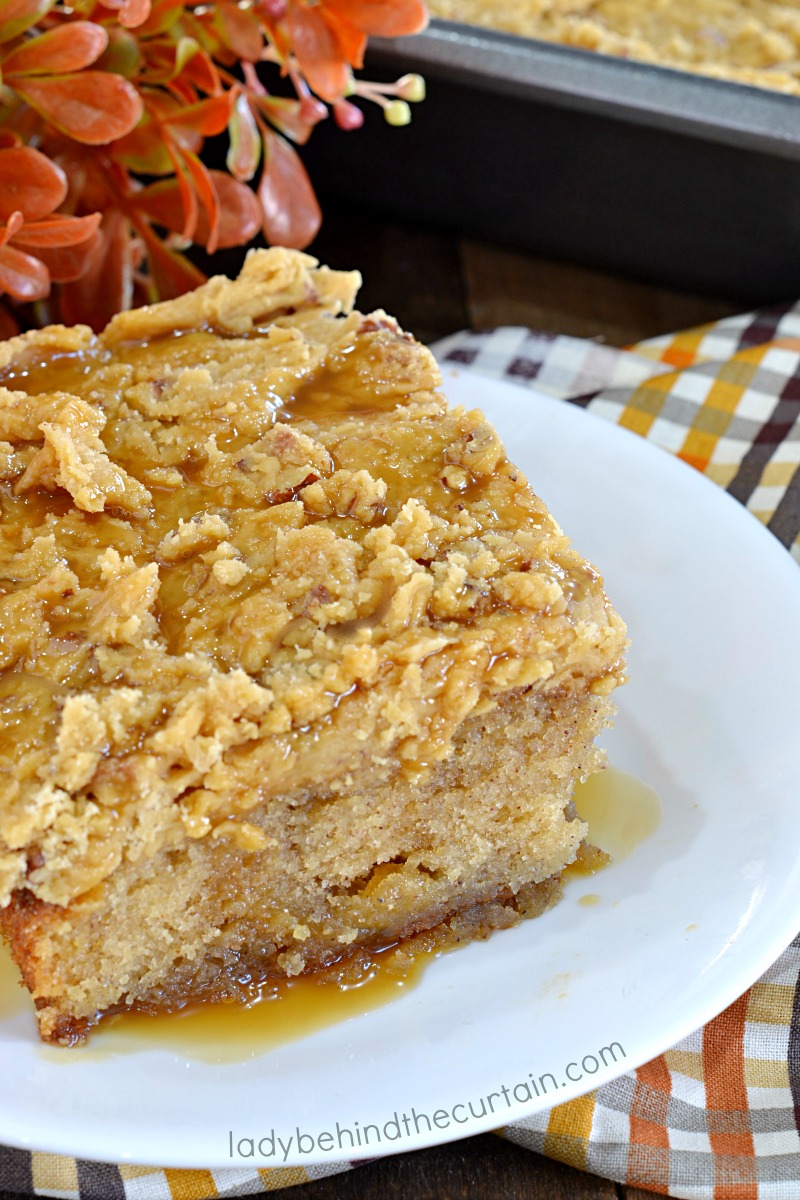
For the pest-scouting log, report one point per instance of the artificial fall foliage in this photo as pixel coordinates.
(104, 112)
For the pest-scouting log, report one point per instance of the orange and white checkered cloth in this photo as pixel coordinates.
(716, 1117)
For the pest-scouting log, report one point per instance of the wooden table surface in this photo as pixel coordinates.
(436, 284)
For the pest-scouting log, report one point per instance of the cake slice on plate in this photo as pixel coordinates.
(294, 662)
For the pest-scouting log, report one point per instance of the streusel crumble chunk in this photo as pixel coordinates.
(294, 663)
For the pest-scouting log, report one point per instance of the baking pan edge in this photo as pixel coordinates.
(717, 110)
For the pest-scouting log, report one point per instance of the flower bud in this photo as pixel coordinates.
(274, 10)
(397, 112)
(411, 88)
(346, 115)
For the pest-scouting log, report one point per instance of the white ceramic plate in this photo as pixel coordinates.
(683, 926)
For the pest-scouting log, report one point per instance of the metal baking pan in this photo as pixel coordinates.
(678, 179)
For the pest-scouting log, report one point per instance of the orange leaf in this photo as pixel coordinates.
(22, 276)
(287, 116)
(18, 15)
(202, 72)
(272, 14)
(352, 40)
(191, 208)
(134, 12)
(144, 149)
(240, 214)
(66, 263)
(65, 48)
(239, 30)
(185, 50)
(208, 117)
(106, 285)
(149, 158)
(381, 18)
(163, 15)
(208, 195)
(96, 178)
(204, 186)
(93, 107)
(160, 63)
(319, 52)
(171, 273)
(184, 61)
(290, 211)
(12, 227)
(30, 182)
(57, 231)
(198, 21)
(245, 147)
(123, 55)
(162, 202)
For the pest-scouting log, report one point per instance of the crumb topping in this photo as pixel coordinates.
(245, 547)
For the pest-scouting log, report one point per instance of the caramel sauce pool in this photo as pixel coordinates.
(279, 1012)
(620, 810)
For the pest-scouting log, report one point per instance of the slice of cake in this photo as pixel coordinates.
(294, 662)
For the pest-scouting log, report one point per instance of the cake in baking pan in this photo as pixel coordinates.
(746, 41)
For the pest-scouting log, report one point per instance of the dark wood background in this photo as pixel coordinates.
(436, 283)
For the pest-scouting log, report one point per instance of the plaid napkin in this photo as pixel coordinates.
(715, 1118)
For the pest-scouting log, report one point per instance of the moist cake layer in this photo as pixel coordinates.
(484, 828)
(253, 565)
